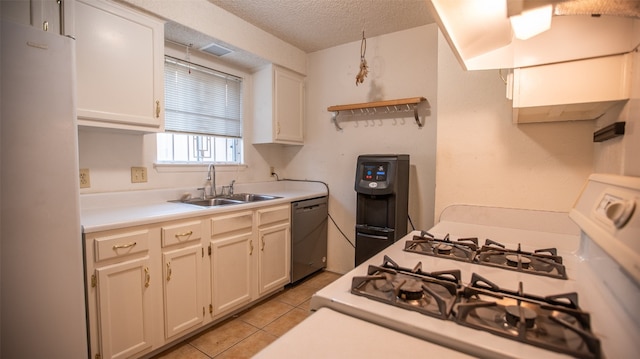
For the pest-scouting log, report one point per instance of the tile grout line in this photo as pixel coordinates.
(198, 349)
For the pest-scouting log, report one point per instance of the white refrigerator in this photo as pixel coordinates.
(42, 282)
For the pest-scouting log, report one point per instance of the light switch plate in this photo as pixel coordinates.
(138, 174)
(85, 179)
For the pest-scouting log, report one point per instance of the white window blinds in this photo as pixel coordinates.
(200, 100)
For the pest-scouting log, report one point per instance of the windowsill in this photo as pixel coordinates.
(197, 167)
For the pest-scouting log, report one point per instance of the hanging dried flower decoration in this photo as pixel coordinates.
(363, 62)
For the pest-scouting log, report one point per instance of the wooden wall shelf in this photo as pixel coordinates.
(400, 105)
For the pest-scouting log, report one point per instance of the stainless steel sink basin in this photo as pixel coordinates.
(210, 202)
(237, 198)
(251, 197)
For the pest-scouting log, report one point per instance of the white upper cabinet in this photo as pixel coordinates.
(119, 58)
(569, 91)
(279, 106)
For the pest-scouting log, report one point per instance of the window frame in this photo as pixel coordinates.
(196, 57)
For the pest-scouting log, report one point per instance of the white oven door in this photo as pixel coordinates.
(329, 334)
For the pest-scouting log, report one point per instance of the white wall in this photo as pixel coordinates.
(110, 155)
(621, 155)
(485, 159)
(402, 64)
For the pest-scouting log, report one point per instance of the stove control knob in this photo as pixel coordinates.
(619, 212)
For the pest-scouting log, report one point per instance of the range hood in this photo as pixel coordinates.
(481, 35)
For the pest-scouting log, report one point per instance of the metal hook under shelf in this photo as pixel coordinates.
(334, 119)
(371, 108)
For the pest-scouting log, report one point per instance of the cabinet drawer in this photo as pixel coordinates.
(121, 244)
(181, 233)
(231, 222)
(273, 214)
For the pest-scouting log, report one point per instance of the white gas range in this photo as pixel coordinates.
(585, 304)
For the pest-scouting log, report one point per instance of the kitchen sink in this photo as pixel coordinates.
(237, 198)
(210, 202)
(251, 197)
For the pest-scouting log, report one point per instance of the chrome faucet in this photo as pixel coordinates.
(228, 190)
(211, 177)
(231, 186)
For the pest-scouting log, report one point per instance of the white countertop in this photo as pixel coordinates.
(105, 211)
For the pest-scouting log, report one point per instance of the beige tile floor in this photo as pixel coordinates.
(245, 334)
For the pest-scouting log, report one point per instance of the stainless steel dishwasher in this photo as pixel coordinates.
(308, 237)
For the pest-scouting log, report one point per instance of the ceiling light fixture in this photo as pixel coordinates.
(532, 22)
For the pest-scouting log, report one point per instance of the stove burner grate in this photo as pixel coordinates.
(464, 249)
(554, 322)
(544, 262)
(432, 294)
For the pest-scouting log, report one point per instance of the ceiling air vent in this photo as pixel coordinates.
(215, 49)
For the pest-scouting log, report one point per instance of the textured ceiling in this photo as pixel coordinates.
(313, 25)
(309, 25)
(628, 8)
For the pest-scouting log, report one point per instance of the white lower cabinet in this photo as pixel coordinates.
(120, 297)
(182, 277)
(176, 272)
(275, 248)
(183, 307)
(125, 309)
(272, 264)
(250, 256)
(231, 272)
(232, 250)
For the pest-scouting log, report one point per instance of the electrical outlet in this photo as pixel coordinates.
(85, 179)
(138, 174)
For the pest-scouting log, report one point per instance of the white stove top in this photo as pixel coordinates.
(617, 329)
(444, 332)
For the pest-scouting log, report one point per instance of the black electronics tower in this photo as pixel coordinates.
(382, 186)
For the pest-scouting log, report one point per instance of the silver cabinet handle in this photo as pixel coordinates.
(251, 247)
(157, 108)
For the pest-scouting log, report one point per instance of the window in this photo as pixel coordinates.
(203, 115)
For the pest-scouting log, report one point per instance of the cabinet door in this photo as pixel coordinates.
(273, 258)
(119, 61)
(124, 308)
(231, 272)
(288, 105)
(183, 305)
